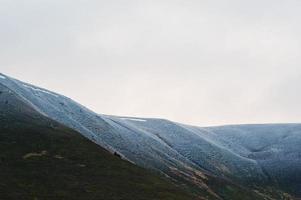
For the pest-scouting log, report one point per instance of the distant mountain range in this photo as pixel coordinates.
(243, 162)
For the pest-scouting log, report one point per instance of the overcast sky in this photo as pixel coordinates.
(198, 62)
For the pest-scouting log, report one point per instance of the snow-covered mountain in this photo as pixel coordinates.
(245, 154)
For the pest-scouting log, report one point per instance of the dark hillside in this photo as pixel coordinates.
(38, 162)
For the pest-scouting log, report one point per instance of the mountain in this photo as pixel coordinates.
(227, 162)
(42, 159)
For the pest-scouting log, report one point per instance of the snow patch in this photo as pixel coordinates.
(133, 119)
(40, 90)
(2, 77)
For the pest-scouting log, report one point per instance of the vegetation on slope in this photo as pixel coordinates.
(58, 163)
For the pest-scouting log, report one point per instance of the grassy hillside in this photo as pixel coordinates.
(38, 162)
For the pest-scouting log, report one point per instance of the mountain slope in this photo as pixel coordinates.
(275, 148)
(41, 159)
(215, 162)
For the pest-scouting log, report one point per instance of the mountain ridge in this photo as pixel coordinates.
(187, 153)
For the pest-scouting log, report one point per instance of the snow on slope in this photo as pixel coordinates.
(133, 144)
(275, 147)
(246, 152)
(203, 152)
(39, 90)
(2, 77)
(133, 119)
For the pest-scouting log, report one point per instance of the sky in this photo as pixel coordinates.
(198, 62)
